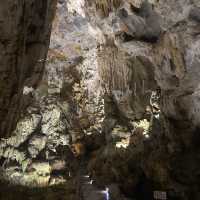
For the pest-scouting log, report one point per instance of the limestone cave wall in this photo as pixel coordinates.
(25, 31)
(115, 94)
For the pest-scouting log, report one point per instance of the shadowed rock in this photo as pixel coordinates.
(195, 14)
(143, 25)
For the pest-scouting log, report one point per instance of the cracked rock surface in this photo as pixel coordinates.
(111, 104)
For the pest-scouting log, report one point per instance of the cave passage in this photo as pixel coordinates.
(99, 100)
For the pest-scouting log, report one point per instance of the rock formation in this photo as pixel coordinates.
(25, 31)
(112, 100)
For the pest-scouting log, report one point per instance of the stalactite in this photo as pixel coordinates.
(106, 6)
(114, 70)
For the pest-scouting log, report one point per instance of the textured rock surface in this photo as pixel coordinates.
(174, 57)
(120, 90)
(60, 108)
(24, 39)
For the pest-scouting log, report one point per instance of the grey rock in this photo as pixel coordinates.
(145, 25)
(36, 144)
(195, 14)
(61, 1)
(115, 80)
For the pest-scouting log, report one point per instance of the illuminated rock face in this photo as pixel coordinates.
(57, 107)
(25, 114)
(121, 80)
(173, 59)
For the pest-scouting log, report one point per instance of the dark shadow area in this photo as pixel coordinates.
(59, 192)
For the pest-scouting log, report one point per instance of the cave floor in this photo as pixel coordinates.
(64, 191)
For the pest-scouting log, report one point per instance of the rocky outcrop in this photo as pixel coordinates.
(60, 108)
(163, 37)
(119, 90)
(24, 39)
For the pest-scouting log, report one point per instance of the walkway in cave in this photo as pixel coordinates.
(86, 190)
